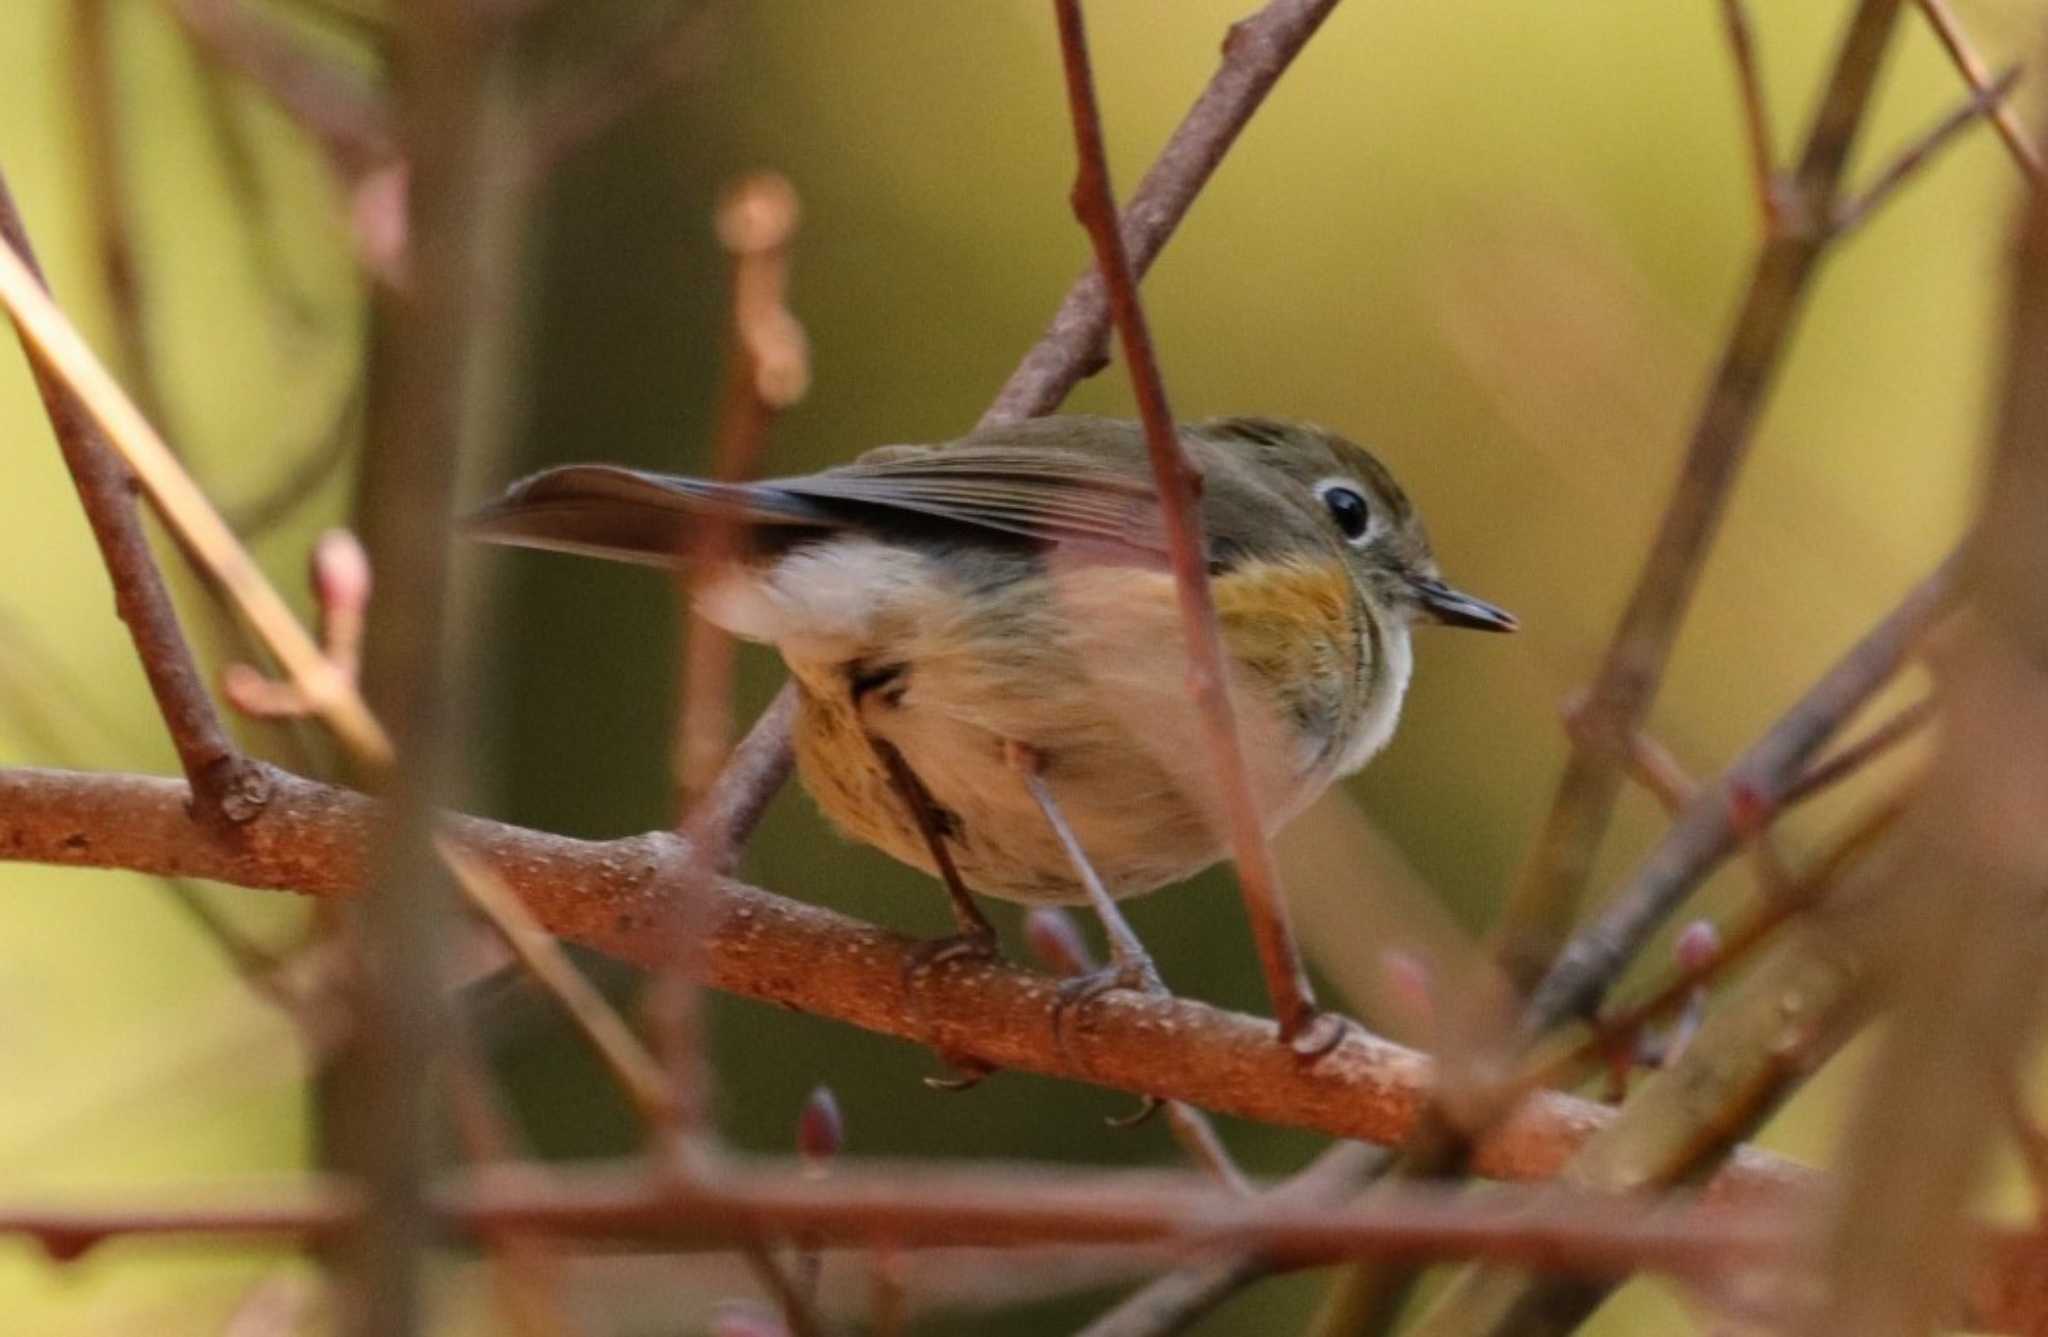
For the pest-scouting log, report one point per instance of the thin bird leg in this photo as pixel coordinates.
(977, 937)
(1130, 966)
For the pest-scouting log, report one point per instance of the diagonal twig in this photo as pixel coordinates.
(1978, 75)
(112, 225)
(57, 345)
(1545, 897)
(1256, 52)
(1854, 212)
(1756, 115)
(592, 101)
(1839, 766)
(1179, 484)
(1707, 831)
(1178, 1299)
(226, 788)
(352, 127)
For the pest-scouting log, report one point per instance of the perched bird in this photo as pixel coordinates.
(969, 622)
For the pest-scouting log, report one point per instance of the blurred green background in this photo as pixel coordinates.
(1498, 242)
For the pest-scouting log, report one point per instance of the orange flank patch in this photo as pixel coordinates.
(1285, 621)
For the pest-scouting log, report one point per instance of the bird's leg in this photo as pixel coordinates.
(1130, 966)
(976, 937)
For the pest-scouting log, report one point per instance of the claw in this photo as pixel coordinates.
(975, 945)
(1135, 973)
(1320, 1035)
(970, 1074)
(1147, 1107)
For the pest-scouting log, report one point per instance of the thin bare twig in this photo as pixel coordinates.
(312, 470)
(1707, 832)
(1839, 766)
(95, 86)
(767, 370)
(1545, 898)
(637, 1071)
(1978, 75)
(1179, 484)
(1176, 1300)
(226, 788)
(343, 116)
(592, 102)
(738, 799)
(1256, 52)
(1756, 115)
(523, 1268)
(58, 346)
(1621, 1025)
(1853, 213)
(1957, 958)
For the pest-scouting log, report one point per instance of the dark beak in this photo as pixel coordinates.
(1455, 608)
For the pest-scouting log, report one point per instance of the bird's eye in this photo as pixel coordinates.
(1347, 507)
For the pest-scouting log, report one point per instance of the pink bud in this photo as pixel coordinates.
(820, 1128)
(1749, 810)
(1698, 945)
(378, 210)
(1410, 986)
(341, 572)
(1056, 941)
(67, 1246)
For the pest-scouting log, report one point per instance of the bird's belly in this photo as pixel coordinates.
(1141, 825)
(1088, 674)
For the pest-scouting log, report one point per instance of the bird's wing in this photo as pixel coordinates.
(1046, 494)
(1041, 493)
(605, 510)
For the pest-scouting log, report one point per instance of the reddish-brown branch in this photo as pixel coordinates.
(914, 1206)
(616, 897)
(1256, 52)
(1180, 484)
(226, 787)
(1545, 899)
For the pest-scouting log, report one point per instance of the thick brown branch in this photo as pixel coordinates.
(226, 787)
(615, 897)
(916, 1206)
(1256, 53)
(1180, 487)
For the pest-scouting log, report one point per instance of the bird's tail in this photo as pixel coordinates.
(603, 510)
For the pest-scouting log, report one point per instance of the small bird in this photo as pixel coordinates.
(980, 628)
